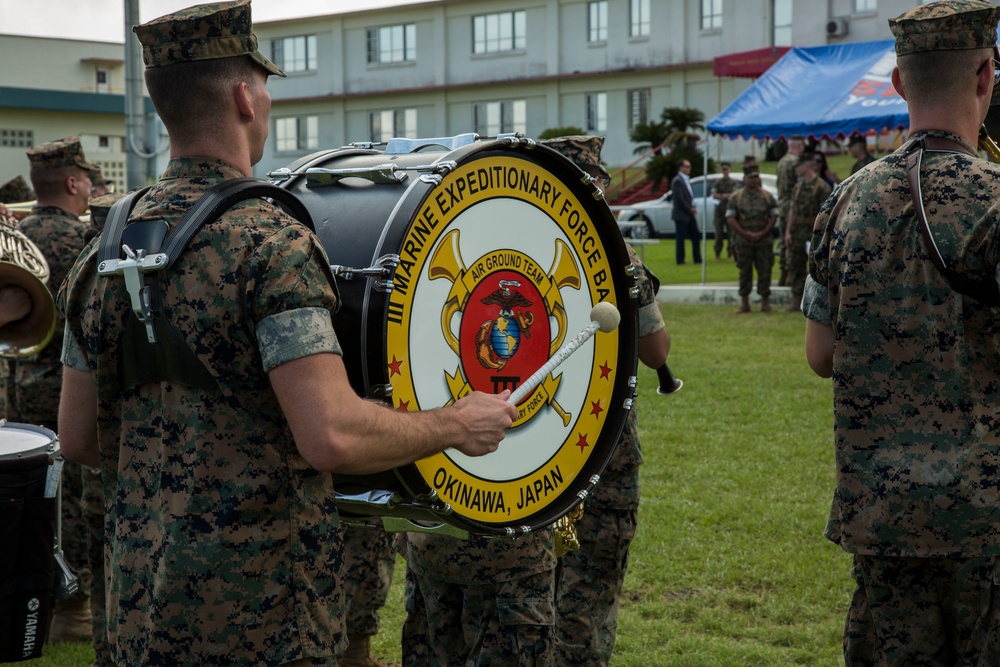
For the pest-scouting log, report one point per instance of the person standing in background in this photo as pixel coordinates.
(60, 175)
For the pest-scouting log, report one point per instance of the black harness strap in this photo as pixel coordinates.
(152, 348)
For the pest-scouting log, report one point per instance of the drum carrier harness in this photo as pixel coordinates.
(152, 348)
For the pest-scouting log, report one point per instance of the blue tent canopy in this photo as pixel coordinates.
(819, 91)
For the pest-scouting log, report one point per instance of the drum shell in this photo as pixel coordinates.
(360, 223)
(28, 572)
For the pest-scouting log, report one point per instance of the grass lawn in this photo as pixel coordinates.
(729, 567)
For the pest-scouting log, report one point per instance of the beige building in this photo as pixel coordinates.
(446, 67)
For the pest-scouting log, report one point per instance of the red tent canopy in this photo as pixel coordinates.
(748, 64)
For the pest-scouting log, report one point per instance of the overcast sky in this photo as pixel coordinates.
(104, 20)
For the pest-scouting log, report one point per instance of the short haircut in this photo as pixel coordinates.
(191, 96)
(725, 164)
(52, 182)
(937, 77)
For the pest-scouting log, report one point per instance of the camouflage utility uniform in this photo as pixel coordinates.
(806, 201)
(725, 185)
(916, 380)
(482, 602)
(223, 544)
(589, 579)
(753, 210)
(786, 177)
(369, 560)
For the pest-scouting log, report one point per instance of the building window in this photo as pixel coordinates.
(493, 118)
(296, 133)
(639, 18)
(493, 33)
(384, 125)
(17, 138)
(294, 54)
(597, 112)
(711, 14)
(638, 107)
(865, 6)
(597, 21)
(392, 44)
(782, 22)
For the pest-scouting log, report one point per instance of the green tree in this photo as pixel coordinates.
(675, 131)
(679, 122)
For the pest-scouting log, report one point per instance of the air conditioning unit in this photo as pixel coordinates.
(837, 26)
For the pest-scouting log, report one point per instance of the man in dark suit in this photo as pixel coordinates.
(683, 214)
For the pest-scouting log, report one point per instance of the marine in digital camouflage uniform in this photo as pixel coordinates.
(916, 363)
(723, 188)
(223, 540)
(751, 213)
(369, 561)
(785, 173)
(809, 194)
(60, 176)
(218, 544)
(589, 579)
(93, 493)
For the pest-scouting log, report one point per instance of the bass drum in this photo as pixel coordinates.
(464, 265)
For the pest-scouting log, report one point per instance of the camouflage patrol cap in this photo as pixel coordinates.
(96, 176)
(16, 190)
(58, 154)
(947, 25)
(100, 205)
(751, 171)
(202, 32)
(584, 150)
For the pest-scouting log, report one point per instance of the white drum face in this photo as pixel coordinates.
(19, 443)
(501, 267)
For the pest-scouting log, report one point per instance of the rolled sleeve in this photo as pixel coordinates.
(650, 319)
(72, 353)
(816, 303)
(294, 334)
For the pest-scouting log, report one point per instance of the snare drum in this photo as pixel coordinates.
(29, 485)
(464, 265)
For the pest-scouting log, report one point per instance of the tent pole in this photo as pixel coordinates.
(704, 203)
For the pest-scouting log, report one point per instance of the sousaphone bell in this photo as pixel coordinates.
(23, 265)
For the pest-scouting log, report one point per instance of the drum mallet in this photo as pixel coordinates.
(603, 316)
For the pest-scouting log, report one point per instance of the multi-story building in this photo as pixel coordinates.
(489, 66)
(61, 88)
(446, 67)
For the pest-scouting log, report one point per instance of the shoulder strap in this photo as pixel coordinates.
(914, 150)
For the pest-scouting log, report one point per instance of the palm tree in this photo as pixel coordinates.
(679, 123)
(649, 135)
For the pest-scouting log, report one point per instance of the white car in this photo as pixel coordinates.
(652, 218)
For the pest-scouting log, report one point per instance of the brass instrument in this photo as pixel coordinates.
(987, 145)
(23, 265)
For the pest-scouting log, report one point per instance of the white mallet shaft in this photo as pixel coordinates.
(603, 316)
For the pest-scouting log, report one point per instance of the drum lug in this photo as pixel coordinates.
(633, 292)
(380, 391)
(627, 404)
(384, 269)
(434, 173)
(516, 139)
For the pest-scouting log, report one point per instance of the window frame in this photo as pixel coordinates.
(279, 48)
(489, 36)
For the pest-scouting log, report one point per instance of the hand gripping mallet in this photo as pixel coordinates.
(603, 316)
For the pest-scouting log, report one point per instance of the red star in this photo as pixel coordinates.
(394, 366)
(605, 371)
(404, 406)
(582, 442)
(595, 408)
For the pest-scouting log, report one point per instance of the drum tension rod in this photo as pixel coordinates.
(382, 272)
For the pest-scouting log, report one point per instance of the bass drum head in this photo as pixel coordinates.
(502, 265)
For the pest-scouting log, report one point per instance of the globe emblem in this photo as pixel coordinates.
(505, 336)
